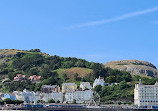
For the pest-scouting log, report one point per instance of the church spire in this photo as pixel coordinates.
(156, 83)
(140, 82)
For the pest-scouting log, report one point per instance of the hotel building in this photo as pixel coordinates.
(146, 95)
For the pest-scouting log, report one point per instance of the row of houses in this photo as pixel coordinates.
(144, 95)
(68, 93)
(35, 78)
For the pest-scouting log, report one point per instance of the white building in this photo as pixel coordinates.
(146, 95)
(46, 96)
(54, 95)
(29, 97)
(99, 81)
(57, 96)
(85, 85)
(18, 95)
(78, 96)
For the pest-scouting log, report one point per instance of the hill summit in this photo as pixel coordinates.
(135, 67)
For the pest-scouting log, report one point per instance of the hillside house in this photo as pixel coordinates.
(69, 87)
(19, 77)
(35, 78)
(85, 85)
(50, 88)
(99, 81)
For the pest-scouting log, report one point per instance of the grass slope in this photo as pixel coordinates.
(82, 72)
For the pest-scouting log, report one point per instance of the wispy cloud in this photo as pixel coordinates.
(118, 18)
(93, 56)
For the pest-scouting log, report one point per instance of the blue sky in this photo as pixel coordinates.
(95, 30)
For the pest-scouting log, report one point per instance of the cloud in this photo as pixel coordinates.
(93, 56)
(118, 18)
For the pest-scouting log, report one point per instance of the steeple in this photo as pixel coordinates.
(140, 82)
(156, 83)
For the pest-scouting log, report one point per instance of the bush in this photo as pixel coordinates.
(58, 101)
(74, 101)
(119, 103)
(9, 101)
(51, 101)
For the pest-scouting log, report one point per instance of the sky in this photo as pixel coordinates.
(95, 30)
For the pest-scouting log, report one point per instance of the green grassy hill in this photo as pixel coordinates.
(75, 71)
(56, 70)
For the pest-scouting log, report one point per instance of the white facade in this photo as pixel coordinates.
(28, 96)
(85, 85)
(69, 97)
(146, 95)
(46, 96)
(55, 96)
(99, 81)
(79, 96)
(18, 95)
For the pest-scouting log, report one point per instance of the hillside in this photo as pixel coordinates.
(56, 70)
(135, 67)
(13, 52)
(52, 69)
(75, 72)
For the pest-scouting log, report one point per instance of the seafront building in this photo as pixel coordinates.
(68, 94)
(9, 95)
(30, 96)
(146, 95)
(18, 95)
(56, 96)
(78, 96)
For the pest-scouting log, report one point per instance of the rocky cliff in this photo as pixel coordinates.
(135, 67)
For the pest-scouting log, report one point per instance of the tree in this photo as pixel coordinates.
(98, 88)
(67, 64)
(64, 76)
(74, 101)
(35, 50)
(119, 103)
(51, 101)
(111, 79)
(76, 78)
(80, 63)
(58, 101)
(123, 85)
(33, 71)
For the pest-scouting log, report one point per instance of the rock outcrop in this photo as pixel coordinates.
(135, 67)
